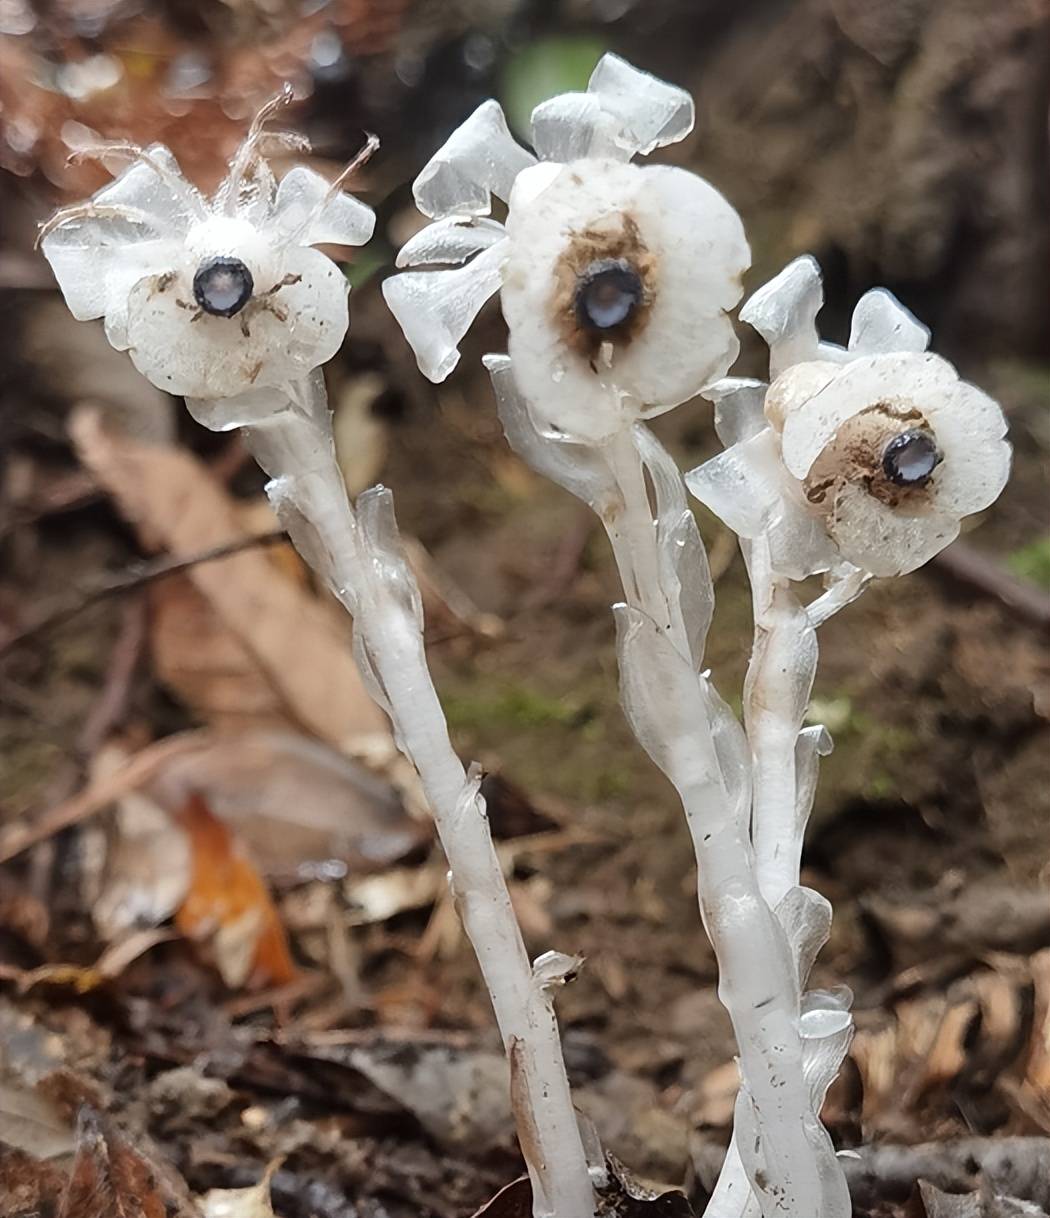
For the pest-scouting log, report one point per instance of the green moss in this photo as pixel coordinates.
(1032, 562)
(510, 707)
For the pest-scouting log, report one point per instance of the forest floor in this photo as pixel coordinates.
(225, 936)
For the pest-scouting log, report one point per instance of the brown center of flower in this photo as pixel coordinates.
(888, 449)
(604, 285)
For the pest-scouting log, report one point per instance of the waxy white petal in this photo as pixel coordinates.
(307, 210)
(450, 242)
(784, 311)
(435, 308)
(479, 159)
(882, 324)
(650, 112)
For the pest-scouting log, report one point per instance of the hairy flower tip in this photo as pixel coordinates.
(891, 452)
(615, 279)
(211, 297)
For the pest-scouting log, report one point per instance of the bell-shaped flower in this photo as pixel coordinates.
(866, 457)
(215, 296)
(615, 279)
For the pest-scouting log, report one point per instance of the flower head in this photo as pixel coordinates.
(614, 278)
(211, 297)
(869, 455)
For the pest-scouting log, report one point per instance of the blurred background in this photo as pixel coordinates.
(222, 918)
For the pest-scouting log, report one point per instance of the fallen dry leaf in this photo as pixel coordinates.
(228, 905)
(251, 1202)
(205, 664)
(301, 807)
(32, 1122)
(112, 1179)
(300, 643)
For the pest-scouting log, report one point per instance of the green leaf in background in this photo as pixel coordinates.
(542, 70)
(367, 261)
(1032, 562)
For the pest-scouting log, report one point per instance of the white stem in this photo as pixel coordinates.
(777, 688)
(757, 984)
(295, 447)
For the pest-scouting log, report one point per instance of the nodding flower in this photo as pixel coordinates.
(869, 455)
(212, 297)
(615, 279)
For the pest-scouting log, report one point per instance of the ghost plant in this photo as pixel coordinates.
(615, 281)
(224, 300)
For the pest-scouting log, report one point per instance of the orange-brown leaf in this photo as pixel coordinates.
(229, 906)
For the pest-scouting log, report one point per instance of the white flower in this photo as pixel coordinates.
(211, 297)
(615, 279)
(868, 455)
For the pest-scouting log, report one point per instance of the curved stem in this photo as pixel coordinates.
(757, 984)
(295, 447)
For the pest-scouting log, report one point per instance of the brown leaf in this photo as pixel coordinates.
(205, 664)
(28, 1186)
(111, 1179)
(297, 803)
(229, 906)
(299, 643)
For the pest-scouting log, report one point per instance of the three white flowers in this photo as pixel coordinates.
(615, 280)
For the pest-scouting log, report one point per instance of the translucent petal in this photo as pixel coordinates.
(97, 262)
(786, 646)
(976, 460)
(308, 212)
(699, 252)
(812, 744)
(845, 583)
(662, 699)
(741, 485)
(806, 918)
(827, 1029)
(738, 402)
(883, 541)
(579, 468)
(302, 531)
(572, 126)
(156, 188)
(882, 324)
(379, 532)
(784, 312)
(435, 308)
(794, 388)
(731, 749)
(924, 381)
(244, 410)
(799, 544)
(650, 112)
(479, 159)
(685, 575)
(450, 241)
(212, 358)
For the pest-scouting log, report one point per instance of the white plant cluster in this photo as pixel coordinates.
(616, 281)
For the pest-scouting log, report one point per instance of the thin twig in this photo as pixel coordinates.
(967, 565)
(137, 577)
